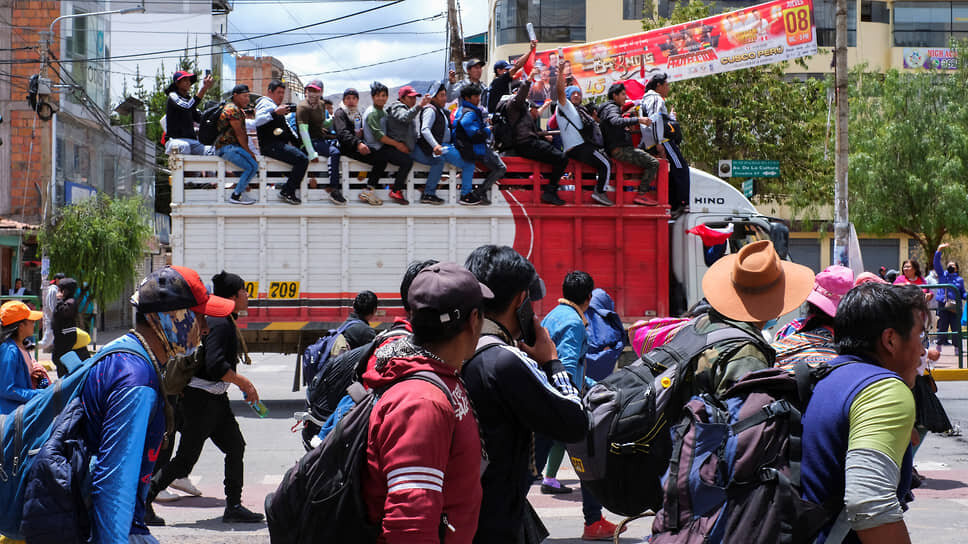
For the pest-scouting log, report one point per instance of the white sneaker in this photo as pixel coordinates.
(370, 197)
(185, 485)
(166, 496)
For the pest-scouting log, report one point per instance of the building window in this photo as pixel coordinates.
(874, 12)
(553, 20)
(929, 24)
(825, 15)
(632, 9)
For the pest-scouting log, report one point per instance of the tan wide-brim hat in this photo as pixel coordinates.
(755, 285)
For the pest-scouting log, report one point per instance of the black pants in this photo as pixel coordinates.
(207, 416)
(378, 159)
(165, 454)
(539, 150)
(289, 154)
(678, 177)
(949, 321)
(595, 157)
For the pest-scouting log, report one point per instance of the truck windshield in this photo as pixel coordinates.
(744, 232)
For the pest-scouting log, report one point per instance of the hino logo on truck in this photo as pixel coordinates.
(709, 200)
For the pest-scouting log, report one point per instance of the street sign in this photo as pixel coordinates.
(749, 169)
(748, 188)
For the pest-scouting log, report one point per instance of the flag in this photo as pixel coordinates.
(710, 236)
(634, 88)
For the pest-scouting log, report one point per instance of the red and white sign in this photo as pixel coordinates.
(763, 34)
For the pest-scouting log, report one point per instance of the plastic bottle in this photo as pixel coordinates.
(531, 35)
(259, 408)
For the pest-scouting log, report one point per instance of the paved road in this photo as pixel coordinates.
(937, 516)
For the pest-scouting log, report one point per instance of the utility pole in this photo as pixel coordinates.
(841, 218)
(455, 37)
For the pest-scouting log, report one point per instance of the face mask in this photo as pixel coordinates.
(178, 330)
(770, 323)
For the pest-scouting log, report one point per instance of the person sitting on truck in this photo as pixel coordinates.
(434, 147)
(530, 143)
(181, 114)
(232, 143)
(662, 139)
(574, 125)
(471, 135)
(402, 126)
(276, 139)
(383, 147)
(475, 70)
(618, 142)
(348, 124)
(504, 73)
(314, 129)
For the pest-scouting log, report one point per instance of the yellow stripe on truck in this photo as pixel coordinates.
(285, 325)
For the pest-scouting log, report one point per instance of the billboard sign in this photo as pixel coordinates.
(754, 36)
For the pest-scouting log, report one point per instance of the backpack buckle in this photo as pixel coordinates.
(767, 474)
(777, 408)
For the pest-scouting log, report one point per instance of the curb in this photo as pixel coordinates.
(950, 374)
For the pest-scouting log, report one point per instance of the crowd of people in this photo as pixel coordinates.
(463, 461)
(467, 124)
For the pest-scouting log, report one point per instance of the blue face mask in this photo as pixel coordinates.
(178, 330)
(770, 323)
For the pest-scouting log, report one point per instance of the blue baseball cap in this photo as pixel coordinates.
(501, 65)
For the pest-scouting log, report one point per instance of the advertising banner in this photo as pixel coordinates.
(753, 36)
(930, 58)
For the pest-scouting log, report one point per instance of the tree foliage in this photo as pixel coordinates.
(909, 154)
(754, 113)
(99, 241)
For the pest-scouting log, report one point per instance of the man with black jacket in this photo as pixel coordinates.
(205, 405)
(516, 393)
(504, 73)
(528, 143)
(181, 114)
(348, 124)
(276, 139)
(618, 141)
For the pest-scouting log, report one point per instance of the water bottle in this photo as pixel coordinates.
(259, 408)
(531, 35)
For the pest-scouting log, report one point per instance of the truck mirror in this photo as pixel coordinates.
(780, 235)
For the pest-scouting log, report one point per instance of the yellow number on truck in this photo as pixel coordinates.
(252, 288)
(283, 289)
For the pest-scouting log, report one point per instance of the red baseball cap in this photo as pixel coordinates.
(178, 288)
(407, 90)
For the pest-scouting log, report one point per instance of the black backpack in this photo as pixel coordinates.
(321, 498)
(208, 127)
(329, 386)
(628, 445)
(501, 126)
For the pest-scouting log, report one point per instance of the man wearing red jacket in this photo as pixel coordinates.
(424, 453)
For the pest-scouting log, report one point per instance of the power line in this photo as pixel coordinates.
(374, 64)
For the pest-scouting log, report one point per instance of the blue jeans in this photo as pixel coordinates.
(244, 160)
(436, 165)
(329, 148)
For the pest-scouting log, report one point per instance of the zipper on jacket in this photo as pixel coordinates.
(444, 527)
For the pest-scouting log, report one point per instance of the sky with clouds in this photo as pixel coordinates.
(335, 60)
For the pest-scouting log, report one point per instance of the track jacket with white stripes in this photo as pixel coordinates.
(423, 473)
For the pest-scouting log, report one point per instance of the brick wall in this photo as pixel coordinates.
(257, 72)
(24, 173)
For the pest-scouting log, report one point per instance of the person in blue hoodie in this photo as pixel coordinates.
(125, 410)
(471, 138)
(18, 370)
(949, 319)
(606, 336)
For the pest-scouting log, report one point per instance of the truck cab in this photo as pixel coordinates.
(717, 204)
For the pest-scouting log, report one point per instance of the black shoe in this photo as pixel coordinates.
(336, 197)
(470, 199)
(152, 519)
(241, 514)
(289, 199)
(485, 198)
(552, 198)
(431, 199)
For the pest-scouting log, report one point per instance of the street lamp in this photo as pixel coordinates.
(47, 38)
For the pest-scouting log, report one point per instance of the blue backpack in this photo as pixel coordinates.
(27, 429)
(317, 355)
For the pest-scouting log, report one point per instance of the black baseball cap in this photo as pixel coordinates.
(351, 92)
(240, 89)
(448, 289)
(178, 288)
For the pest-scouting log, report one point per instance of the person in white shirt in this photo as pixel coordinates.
(578, 135)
